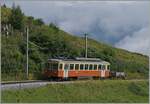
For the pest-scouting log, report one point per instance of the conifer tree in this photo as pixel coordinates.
(16, 18)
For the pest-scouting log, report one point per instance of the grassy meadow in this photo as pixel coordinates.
(96, 91)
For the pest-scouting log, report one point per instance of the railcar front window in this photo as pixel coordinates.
(46, 66)
(71, 66)
(86, 66)
(108, 67)
(55, 66)
(81, 66)
(60, 66)
(76, 66)
(91, 67)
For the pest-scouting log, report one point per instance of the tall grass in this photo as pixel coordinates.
(104, 91)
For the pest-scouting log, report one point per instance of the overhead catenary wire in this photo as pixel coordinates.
(29, 42)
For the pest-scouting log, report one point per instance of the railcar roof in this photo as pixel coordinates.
(90, 60)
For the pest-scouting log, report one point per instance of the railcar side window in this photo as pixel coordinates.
(49, 66)
(99, 67)
(103, 67)
(60, 66)
(71, 66)
(95, 67)
(66, 66)
(86, 66)
(90, 67)
(81, 66)
(76, 66)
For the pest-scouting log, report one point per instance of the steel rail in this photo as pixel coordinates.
(29, 84)
(24, 81)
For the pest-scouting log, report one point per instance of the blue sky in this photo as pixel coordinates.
(123, 24)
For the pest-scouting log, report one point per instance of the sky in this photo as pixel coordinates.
(123, 24)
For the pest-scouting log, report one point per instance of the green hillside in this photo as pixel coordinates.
(49, 41)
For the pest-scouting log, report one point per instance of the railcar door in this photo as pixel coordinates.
(102, 71)
(66, 68)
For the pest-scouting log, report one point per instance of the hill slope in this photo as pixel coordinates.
(50, 42)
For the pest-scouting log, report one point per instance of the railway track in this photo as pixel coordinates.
(28, 84)
(24, 81)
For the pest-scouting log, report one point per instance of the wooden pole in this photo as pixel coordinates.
(27, 70)
(85, 45)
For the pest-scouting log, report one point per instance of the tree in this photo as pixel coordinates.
(108, 51)
(54, 27)
(16, 18)
(4, 6)
(39, 22)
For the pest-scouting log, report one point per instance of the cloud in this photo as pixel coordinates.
(108, 21)
(138, 42)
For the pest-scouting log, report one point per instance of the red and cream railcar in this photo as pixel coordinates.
(75, 68)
